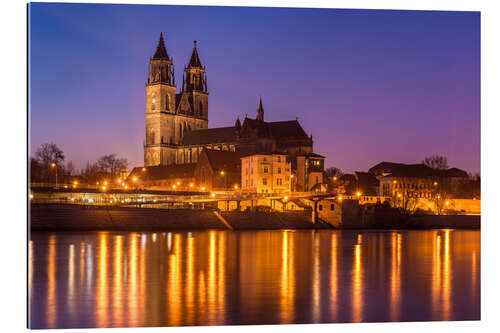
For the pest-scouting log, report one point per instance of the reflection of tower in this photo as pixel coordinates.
(160, 108)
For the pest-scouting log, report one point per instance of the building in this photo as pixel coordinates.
(416, 180)
(218, 170)
(178, 177)
(266, 173)
(177, 123)
(309, 172)
(169, 115)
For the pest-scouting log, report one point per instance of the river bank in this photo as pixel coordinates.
(68, 217)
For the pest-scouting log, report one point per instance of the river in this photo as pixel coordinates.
(113, 279)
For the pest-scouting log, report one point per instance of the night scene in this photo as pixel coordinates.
(196, 166)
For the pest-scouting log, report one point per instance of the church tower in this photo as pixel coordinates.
(194, 86)
(160, 109)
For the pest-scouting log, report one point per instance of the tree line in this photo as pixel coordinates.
(49, 165)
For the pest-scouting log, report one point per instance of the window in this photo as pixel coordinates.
(264, 181)
(332, 207)
(320, 207)
(167, 102)
(279, 158)
(265, 170)
(279, 170)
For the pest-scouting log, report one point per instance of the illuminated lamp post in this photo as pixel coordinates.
(223, 174)
(54, 166)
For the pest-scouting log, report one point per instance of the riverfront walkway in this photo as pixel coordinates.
(64, 217)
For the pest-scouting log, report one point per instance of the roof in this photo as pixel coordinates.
(164, 172)
(224, 160)
(195, 59)
(161, 51)
(453, 172)
(310, 155)
(279, 130)
(210, 135)
(413, 171)
(276, 129)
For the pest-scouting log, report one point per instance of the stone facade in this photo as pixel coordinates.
(169, 115)
(266, 173)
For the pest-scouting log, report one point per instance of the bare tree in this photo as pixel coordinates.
(49, 153)
(436, 162)
(333, 172)
(107, 167)
(110, 164)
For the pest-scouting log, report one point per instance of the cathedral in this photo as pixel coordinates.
(177, 123)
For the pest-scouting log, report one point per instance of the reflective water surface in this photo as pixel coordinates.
(111, 279)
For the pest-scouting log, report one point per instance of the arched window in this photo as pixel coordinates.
(167, 102)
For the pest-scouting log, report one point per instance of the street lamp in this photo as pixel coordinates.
(54, 166)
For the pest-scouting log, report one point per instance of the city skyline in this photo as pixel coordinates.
(365, 90)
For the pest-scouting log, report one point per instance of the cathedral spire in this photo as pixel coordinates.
(195, 59)
(260, 111)
(161, 50)
(196, 77)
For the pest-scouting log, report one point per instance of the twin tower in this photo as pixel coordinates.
(170, 114)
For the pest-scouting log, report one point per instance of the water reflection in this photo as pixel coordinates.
(218, 277)
(357, 283)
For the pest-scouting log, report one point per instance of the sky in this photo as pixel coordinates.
(369, 85)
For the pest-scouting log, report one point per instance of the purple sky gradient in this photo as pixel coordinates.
(369, 85)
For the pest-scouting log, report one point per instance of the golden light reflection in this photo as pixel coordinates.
(190, 287)
(287, 281)
(102, 282)
(446, 277)
(51, 287)
(70, 297)
(82, 264)
(211, 279)
(221, 279)
(334, 278)
(316, 306)
(132, 278)
(174, 283)
(436, 273)
(118, 277)
(395, 291)
(357, 286)
(442, 273)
